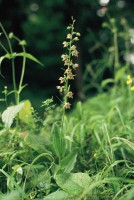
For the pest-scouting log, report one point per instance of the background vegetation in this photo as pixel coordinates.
(43, 25)
(47, 153)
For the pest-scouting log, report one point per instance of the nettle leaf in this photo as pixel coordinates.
(73, 183)
(10, 113)
(29, 56)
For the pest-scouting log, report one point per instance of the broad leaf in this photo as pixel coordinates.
(10, 113)
(73, 183)
(25, 113)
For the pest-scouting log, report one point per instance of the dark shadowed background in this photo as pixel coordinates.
(42, 23)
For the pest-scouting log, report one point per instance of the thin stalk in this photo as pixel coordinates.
(22, 72)
(23, 68)
(14, 80)
(66, 83)
(126, 30)
(116, 53)
(13, 64)
(6, 51)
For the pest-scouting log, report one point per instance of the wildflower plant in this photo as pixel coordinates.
(70, 66)
(11, 55)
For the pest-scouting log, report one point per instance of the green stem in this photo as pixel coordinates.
(6, 51)
(126, 30)
(23, 68)
(14, 80)
(116, 53)
(13, 64)
(22, 72)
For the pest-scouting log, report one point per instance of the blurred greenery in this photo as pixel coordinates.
(87, 152)
(43, 25)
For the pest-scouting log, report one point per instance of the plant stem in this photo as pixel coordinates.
(13, 64)
(4, 48)
(23, 70)
(116, 53)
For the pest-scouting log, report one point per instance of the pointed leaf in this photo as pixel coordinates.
(107, 81)
(68, 162)
(29, 56)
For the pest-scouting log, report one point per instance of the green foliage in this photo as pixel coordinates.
(67, 163)
(25, 114)
(11, 196)
(74, 183)
(59, 142)
(85, 154)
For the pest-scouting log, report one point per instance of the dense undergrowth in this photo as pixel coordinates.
(86, 154)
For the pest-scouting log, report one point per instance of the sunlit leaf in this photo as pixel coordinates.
(25, 113)
(10, 113)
